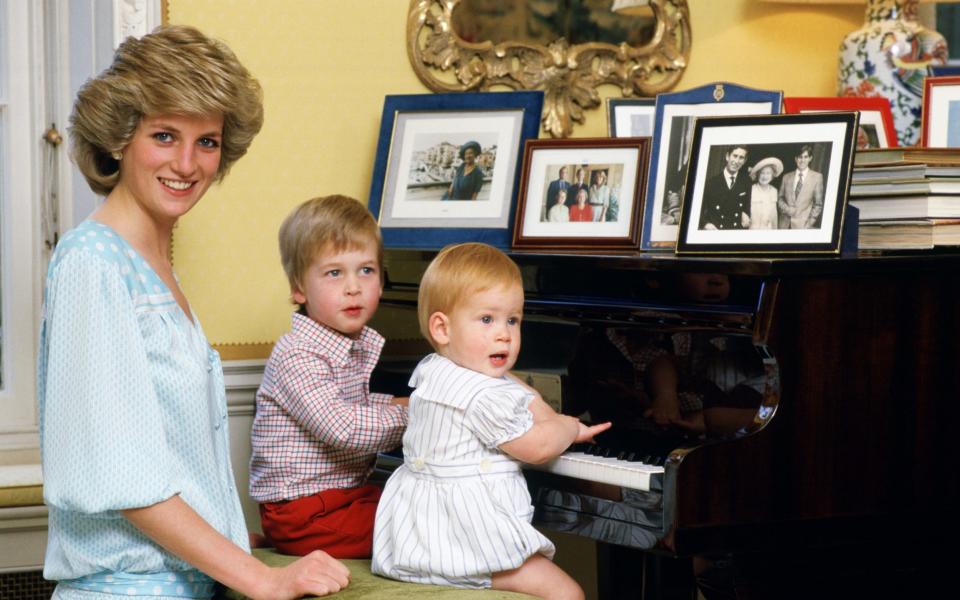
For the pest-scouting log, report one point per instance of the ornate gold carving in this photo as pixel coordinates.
(568, 74)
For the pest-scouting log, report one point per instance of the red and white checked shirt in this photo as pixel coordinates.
(317, 425)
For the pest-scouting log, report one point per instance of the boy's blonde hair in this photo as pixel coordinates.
(457, 272)
(327, 224)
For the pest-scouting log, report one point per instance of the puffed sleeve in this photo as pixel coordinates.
(498, 415)
(103, 445)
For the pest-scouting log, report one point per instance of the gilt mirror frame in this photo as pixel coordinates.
(568, 74)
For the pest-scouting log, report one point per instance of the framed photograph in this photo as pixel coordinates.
(582, 193)
(630, 117)
(673, 131)
(768, 184)
(446, 166)
(940, 119)
(876, 129)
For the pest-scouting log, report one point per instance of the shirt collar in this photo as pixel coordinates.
(337, 345)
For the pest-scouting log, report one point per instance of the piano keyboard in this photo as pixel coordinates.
(601, 469)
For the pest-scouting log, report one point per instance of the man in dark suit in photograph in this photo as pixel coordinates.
(726, 195)
(560, 183)
(800, 203)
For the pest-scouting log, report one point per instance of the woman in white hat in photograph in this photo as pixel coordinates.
(763, 194)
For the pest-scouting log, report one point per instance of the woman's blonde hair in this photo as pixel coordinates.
(328, 224)
(176, 69)
(457, 272)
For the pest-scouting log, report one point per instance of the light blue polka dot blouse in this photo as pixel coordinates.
(132, 411)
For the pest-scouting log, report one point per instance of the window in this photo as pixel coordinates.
(19, 251)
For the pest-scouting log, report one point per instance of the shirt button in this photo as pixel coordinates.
(418, 463)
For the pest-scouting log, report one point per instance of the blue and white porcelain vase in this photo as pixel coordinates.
(889, 57)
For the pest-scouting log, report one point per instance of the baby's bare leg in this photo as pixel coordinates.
(538, 576)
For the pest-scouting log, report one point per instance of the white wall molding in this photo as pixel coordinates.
(23, 538)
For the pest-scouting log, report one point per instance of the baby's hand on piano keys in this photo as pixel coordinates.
(586, 432)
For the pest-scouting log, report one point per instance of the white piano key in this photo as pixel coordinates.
(634, 475)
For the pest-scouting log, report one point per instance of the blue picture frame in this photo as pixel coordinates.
(944, 70)
(449, 116)
(670, 153)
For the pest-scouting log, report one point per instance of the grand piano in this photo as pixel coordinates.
(842, 443)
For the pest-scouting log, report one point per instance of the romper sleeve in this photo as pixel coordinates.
(499, 414)
(103, 444)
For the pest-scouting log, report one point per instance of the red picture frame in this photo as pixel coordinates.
(875, 114)
(937, 130)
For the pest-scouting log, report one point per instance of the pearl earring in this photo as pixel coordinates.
(117, 155)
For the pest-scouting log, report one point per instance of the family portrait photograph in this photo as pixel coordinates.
(593, 196)
(765, 186)
(775, 182)
(581, 193)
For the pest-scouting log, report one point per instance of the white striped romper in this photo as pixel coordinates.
(458, 509)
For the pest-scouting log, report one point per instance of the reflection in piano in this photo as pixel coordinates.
(799, 388)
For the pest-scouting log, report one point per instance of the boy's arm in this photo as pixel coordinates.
(540, 409)
(549, 438)
(389, 399)
(306, 389)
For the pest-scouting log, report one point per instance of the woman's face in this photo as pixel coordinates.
(170, 163)
(469, 156)
(765, 175)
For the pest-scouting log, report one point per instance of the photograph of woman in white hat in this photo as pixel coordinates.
(763, 194)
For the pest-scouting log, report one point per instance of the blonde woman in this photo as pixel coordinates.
(136, 455)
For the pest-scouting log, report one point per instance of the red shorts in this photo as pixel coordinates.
(339, 522)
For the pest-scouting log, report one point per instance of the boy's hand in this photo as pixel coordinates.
(401, 400)
(586, 432)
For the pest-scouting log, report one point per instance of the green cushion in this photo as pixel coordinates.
(364, 584)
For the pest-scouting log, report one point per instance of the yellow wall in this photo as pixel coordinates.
(325, 66)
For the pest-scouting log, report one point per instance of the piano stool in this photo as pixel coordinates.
(364, 584)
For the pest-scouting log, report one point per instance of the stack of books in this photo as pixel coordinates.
(909, 198)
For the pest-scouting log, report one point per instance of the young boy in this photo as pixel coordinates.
(458, 511)
(318, 427)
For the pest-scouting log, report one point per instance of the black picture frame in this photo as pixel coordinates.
(711, 219)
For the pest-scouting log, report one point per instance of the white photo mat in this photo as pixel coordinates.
(538, 182)
(413, 131)
(830, 133)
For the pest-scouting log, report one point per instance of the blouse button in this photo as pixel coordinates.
(418, 463)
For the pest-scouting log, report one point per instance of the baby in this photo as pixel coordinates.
(458, 512)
